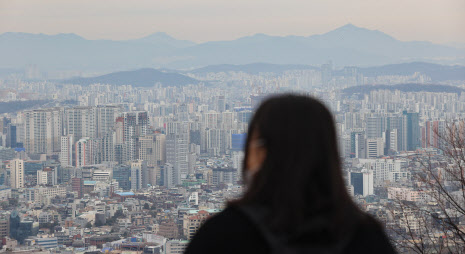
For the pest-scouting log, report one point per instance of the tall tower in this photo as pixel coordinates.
(108, 146)
(106, 116)
(16, 174)
(357, 144)
(399, 124)
(413, 130)
(134, 125)
(170, 177)
(160, 151)
(374, 127)
(80, 122)
(151, 148)
(66, 154)
(211, 119)
(93, 122)
(221, 103)
(84, 152)
(176, 154)
(139, 175)
(374, 147)
(11, 136)
(147, 149)
(43, 130)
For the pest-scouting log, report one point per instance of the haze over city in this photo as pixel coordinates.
(124, 125)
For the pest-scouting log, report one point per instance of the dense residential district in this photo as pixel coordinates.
(106, 168)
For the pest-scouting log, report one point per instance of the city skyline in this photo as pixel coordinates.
(102, 165)
(124, 125)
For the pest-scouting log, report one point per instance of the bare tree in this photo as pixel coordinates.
(434, 221)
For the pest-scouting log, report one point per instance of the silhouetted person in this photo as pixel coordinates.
(295, 199)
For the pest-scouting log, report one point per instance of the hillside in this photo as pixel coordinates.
(140, 78)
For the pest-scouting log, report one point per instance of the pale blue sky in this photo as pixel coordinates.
(438, 21)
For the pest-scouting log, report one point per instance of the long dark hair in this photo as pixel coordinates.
(301, 176)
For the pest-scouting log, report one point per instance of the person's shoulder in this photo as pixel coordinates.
(369, 224)
(228, 231)
(229, 216)
(232, 219)
(370, 236)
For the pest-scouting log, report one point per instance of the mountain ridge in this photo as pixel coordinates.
(346, 45)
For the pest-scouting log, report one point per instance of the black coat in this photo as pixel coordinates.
(231, 231)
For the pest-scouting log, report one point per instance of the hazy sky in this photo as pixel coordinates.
(204, 20)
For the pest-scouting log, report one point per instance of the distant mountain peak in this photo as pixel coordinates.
(164, 38)
(158, 35)
(349, 27)
(260, 35)
(356, 33)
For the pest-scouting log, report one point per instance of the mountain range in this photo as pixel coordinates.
(148, 77)
(346, 45)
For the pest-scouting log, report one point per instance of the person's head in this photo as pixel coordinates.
(292, 162)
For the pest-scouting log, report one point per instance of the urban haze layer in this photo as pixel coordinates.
(135, 160)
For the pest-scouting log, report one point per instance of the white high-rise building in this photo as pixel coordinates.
(192, 158)
(160, 148)
(392, 145)
(385, 169)
(42, 177)
(104, 148)
(211, 119)
(16, 174)
(170, 177)
(107, 147)
(80, 122)
(84, 152)
(66, 154)
(227, 120)
(368, 188)
(148, 150)
(106, 116)
(215, 142)
(93, 122)
(176, 154)
(358, 144)
(374, 127)
(139, 175)
(374, 147)
(134, 125)
(43, 130)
